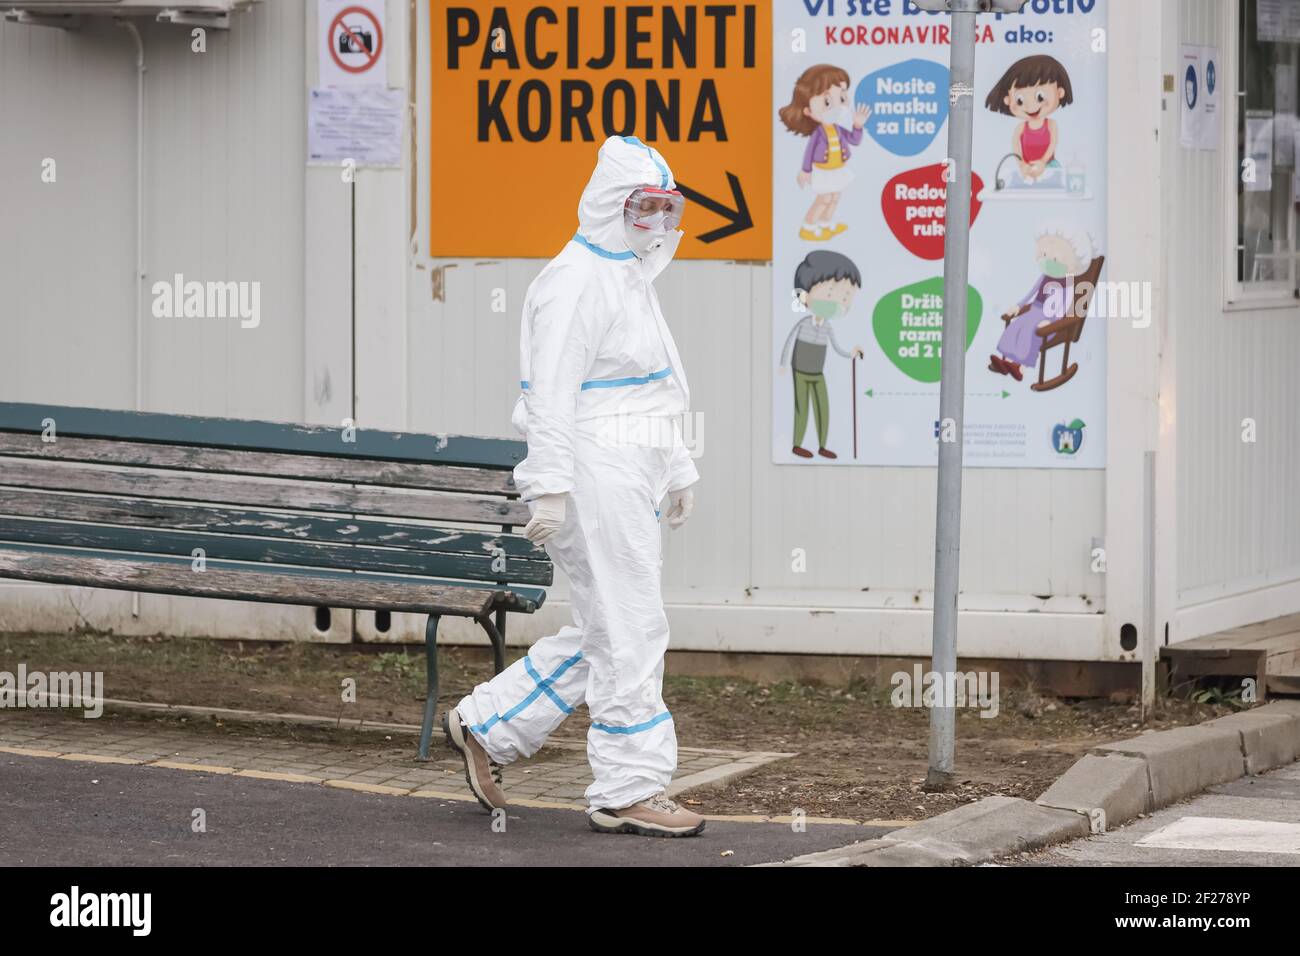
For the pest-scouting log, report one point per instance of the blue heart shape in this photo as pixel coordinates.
(909, 105)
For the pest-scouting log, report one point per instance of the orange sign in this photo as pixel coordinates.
(524, 92)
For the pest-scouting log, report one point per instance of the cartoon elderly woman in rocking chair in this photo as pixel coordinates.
(1069, 268)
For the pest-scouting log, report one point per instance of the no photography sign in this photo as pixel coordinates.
(352, 50)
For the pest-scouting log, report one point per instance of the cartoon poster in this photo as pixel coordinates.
(860, 135)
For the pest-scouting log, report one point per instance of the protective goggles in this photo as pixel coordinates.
(647, 208)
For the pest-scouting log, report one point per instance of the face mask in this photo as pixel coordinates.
(841, 117)
(824, 308)
(1055, 268)
(645, 241)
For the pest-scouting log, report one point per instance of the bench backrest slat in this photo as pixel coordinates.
(139, 483)
(474, 452)
(281, 586)
(479, 567)
(146, 513)
(489, 481)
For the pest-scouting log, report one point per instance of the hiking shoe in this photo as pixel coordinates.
(483, 776)
(657, 816)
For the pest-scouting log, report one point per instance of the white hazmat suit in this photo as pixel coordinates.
(602, 392)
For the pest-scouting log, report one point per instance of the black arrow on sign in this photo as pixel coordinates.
(738, 219)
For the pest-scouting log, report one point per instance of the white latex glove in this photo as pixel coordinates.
(680, 505)
(548, 516)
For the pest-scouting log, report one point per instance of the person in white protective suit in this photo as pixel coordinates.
(602, 394)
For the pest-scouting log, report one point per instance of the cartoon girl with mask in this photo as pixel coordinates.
(821, 110)
(1031, 91)
(1060, 258)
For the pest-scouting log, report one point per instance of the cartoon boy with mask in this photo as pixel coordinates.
(824, 284)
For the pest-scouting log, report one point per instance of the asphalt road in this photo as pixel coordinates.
(64, 813)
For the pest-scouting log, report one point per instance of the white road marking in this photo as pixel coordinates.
(1226, 834)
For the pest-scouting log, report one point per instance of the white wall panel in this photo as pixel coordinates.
(67, 248)
(224, 151)
(224, 146)
(1238, 513)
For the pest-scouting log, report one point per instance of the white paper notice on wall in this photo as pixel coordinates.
(1198, 91)
(1258, 174)
(360, 123)
(351, 46)
(1277, 21)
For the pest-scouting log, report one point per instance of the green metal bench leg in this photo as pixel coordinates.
(431, 683)
(498, 642)
(501, 629)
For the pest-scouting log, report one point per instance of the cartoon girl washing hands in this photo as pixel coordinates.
(821, 110)
(1031, 91)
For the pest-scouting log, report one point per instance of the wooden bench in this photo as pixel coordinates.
(270, 512)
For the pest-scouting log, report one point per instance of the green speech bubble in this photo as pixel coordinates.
(908, 323)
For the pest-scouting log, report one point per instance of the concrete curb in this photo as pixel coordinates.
(971, 834)
(1117, 785)
(1270, 735)
(723, 774)
(1185, 760)
(1107, 787)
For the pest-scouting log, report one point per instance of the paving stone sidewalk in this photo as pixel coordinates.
(556, 777)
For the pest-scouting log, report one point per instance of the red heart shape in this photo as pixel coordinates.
(913, 203)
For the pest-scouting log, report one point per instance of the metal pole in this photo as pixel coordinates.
(952, 386)
(1150, 640)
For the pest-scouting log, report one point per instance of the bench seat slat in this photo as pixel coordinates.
(241, 582)
(266, 464)
(143, 512)
(142, 483)
(71, 421)
(261, 550)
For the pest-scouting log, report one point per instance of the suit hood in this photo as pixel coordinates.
(623, 164)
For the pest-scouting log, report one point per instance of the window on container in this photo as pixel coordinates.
(1267, 133)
